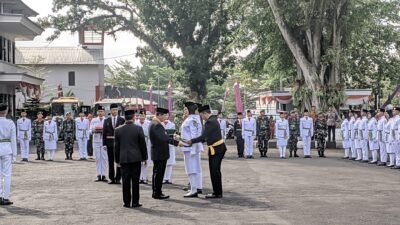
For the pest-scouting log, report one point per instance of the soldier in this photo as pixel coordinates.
(395, 134)
(363, 128)
(345, 131)
(248, 133)
(237, 127)
(222, 124)
(82, 129)
(145, 125)
(294, 133)
(8, 154)
(38, 135)
(50, 137)
(282, 134)
(24, 134)
(321, 132)
(372, 137)
(263, 133)
(306, 132)
(380, 135)
(68, 134)
(96, 129)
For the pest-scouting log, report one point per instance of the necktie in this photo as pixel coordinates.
(23, 120)
(49, 122)
(113, 122)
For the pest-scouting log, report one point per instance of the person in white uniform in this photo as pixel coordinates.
(396, 136)
(145, 125)
(100, 151)
(50, 137)
(357, 135)
(381, 140)
(363, 128)
(389, 141)
(170, 129)
(191, 128)
(24, 134)
(282, 134)
(249, 132)
(306, 132)
(82, 130)
(222, 124)
(200, 146)
(8, 154)
(353, 132)
(345, 131)
(373, 142)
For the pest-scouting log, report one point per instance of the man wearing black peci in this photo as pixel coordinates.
(216, 149)
(110, 124)
(159, 150)
(130, 151)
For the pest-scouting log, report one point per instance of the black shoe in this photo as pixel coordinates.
(103, 178)
(381, 164)
(191, 195)
(6, 202)
(396, 167)
(117, 182)
(141, 182)
(213, 196)
(37, 159)
(111, 182)
(364, 161)
(136, 205)
(67, 158)
(161, 196)
(98, 179)
(126, 206)
(373, 162)
(344, 157)
(199, 191)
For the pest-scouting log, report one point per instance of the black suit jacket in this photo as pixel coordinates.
(108, 130)
(211, 133)
(238, 129)
(160, 141)
(129, 144)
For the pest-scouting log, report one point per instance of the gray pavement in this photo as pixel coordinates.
(258, 191)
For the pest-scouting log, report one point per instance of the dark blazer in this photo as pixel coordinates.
(160, 142)
(129, 144)
(211, 133)
(237, 127)
(108, 130)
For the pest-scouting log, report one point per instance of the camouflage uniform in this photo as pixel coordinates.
(37, 129)
(294, 126)
(68, 134)
(321, 132)
(263, 133)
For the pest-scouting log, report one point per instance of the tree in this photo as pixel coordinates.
(200, 29)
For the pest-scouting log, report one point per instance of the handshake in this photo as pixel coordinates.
(182, 142)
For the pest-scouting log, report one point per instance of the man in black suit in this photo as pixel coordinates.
(159, 150)
(237, 127)
(216, 149)
(130, 151)
(110, 124)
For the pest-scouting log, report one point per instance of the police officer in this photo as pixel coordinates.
(263, 133)
(294, 133)
(38, 135)
(68, 134)
(24, 134)
(8, 154)
(306, 132)
(321, 132)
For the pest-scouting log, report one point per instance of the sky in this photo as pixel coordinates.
(124, 46)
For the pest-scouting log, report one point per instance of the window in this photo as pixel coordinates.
(71, 78)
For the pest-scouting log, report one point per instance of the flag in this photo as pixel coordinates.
(60, 91)
(151, 98)
(170, 97)
(238, 98)
(225, 96)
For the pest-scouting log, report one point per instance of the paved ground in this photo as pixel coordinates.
(259, 191)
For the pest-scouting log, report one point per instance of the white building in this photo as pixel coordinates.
(79, 70)
(15, 25)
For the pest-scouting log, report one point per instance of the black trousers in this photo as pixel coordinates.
(215, 170)
(113, 174)
(331, 129)
(240, 145)
(90, 146)
(158, 175)
(130, 182)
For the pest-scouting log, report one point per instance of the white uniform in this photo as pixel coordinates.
(373, 139)
(191, 128)
(82, 130)
(353, 131)
(389, 142)
(345, 131)
(380, 135)
(222, 125)
(172, 159)
(24, 134)
(98, 147)
(363, 128)
(396, 143)
(282, 136)
(306, 132)
(8, 154)
(50, 137)
(357, 139)
(145, 126)
(249, 131)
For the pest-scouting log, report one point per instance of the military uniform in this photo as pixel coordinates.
(38, 138)
(263, 134)
(68, 134)
(293, 137)
(321, 131)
